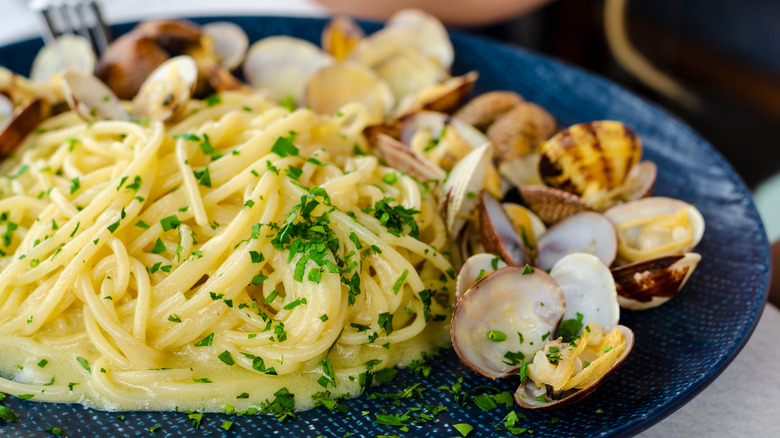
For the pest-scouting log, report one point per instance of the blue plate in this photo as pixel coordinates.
(680, 347)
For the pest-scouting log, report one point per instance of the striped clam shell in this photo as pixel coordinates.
(552, 205)
(588, 157)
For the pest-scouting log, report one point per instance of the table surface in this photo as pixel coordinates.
(742, 401)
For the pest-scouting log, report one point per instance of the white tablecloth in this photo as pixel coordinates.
(743, 401)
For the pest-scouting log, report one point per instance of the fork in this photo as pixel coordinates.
(82, 17)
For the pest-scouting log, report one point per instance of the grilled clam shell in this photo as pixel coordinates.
(587, 158)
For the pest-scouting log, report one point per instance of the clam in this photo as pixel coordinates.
(128, 62)
(655, 227)
(399, 156)
(458, 197)
(230, 43)
(442, 139)
(589, 157)
(474, 269)
(589, 289)
(443, 97)
(340, 37)
(91, 98)
(175, 36)
(408, 71)
(67, 52)
(516, 136)
(484, 109)
(527, 224)
(333, 86)
(499, 235)
(20, 123)
(646, 284)
(411, 28)
(167, 90)
(563, 373)
(587, 232)
(281, 66)
(504, 318)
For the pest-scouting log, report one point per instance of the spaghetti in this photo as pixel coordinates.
(243, 253)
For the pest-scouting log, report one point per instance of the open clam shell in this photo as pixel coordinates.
(476, 268)
(67, 52)
(230, 43)
(128, 62)
(443, 97)
(413, 28)
(650, 283)
(589, 289)
(530, 396)
(524, 308)
(167, 90)
(458, 197)
(552, 205)
(587, 232)
(588, 158)
(6, 109)
(20, 123)
(282, 65)
(439, 137)
(486, 108)
(518, 134)
(91, 98)
(340, 36)
(333, 86)
(654, 227)
(499, 235)
(527, 224)
(399, 156)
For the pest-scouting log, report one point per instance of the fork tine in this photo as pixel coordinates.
(101, 31)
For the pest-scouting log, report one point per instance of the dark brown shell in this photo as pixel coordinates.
(552, 205)
(650, 283)
(128, 61)
(24, 119)
(484, 109)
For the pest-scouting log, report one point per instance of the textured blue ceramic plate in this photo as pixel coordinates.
(680, 347)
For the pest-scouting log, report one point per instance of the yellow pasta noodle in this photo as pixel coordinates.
(240, 251)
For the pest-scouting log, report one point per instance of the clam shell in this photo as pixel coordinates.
(552, 205)
(476, 268)
(589, 289)
(67, 52)
(128, 61)
(444, 97)
(442, 139)
(399, 156)
(622, 216)
(499, 235)
(333, 86)
(528, 225)
(413, 28)
(511, 302)
(167, 90)
(6, 109)
(458, 195)
(590, 157)
(408, 72)
(340, 37)
(172, 35)
(526, 395)
(587, 232)
(21, 122)
(520, 131)
(230, 43)
(484, 109)
(650, 283)
(91, 98)
(282, 65)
